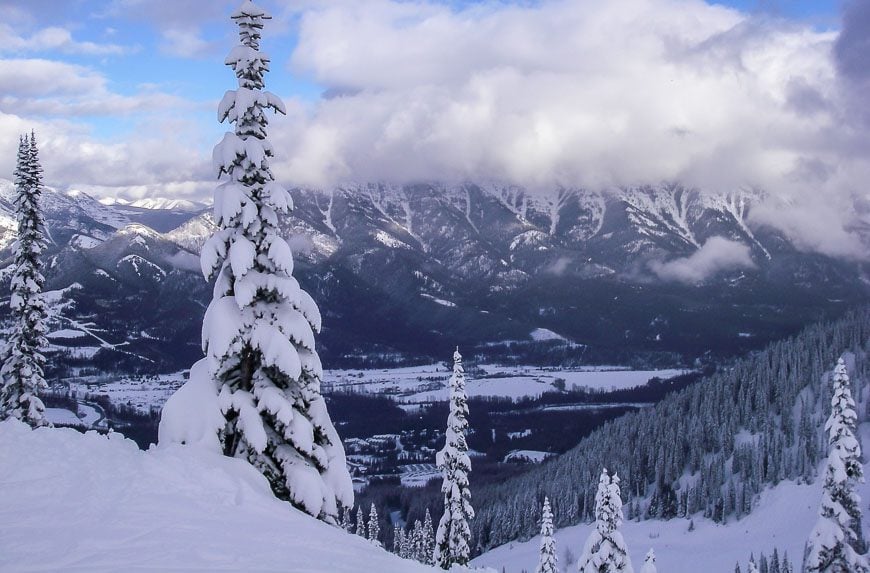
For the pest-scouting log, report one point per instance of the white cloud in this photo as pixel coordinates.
(716, 255)
(584, 93)
(39, 78)
(578, 93)
(186, 43)
(143, 164)
(51, 88)
(53, 38)
(591, 93)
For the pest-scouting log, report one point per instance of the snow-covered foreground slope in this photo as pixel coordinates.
(782, 518)
(73, 502)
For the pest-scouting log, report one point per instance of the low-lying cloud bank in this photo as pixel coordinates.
(716, 255)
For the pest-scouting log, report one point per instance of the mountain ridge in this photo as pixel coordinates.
(433, 265)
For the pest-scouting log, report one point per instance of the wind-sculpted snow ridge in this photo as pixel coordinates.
(103, 505)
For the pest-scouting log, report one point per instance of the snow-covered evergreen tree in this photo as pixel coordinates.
(374, 525)
(453, 538)
(258, 332)
(548, 559)
(347, 520)
(605, 550)
(398, 539)
(649, 563)
(832, 545)
(418, 544)
(21, 375)
(361, 523)
(428, 540)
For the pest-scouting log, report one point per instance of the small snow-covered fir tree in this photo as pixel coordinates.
(347, 520)
(258, 332)
(361, 523)
(832, 546)
(410, 546)
(428, 540)
(649, 563)
(398, 539)
(605, 550)
(416, 543)
(453, 538)
(548, 559)
(21, 375)
(374, 525)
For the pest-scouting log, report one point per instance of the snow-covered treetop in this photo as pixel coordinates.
(608, 505)
(842, 423)
(250, 18)
(649, 563)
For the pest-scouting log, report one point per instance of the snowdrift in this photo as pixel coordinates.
(74, 502)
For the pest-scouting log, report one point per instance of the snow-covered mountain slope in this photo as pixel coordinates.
(73, 502)
(782, 520)
(383, 259)
(167, 204)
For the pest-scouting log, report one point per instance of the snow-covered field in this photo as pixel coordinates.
(418, 475)
(782, 518)
(91, 503)
(411, 385)
(428, 383)
(141, 393)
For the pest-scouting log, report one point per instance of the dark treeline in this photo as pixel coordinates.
(710, 448)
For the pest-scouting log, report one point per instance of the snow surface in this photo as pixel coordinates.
(66, 333)
(417, 384)
(99, 504)
(528, 456)
(782, 518)
(84, 241)
(544, 334)
(62, 416)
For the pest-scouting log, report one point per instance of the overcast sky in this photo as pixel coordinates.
(595, 93)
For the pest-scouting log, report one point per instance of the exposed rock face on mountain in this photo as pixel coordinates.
(652, 273)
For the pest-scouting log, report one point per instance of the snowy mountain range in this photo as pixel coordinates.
(401, 271)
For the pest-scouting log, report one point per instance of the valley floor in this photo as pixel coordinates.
(782, 519)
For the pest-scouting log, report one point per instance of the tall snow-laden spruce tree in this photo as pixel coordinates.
(605, 550)
(21, 374)
(833, 546)
(548, 560)
(453, 538)
(258, 331)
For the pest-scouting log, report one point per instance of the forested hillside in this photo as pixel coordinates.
(709, 448)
